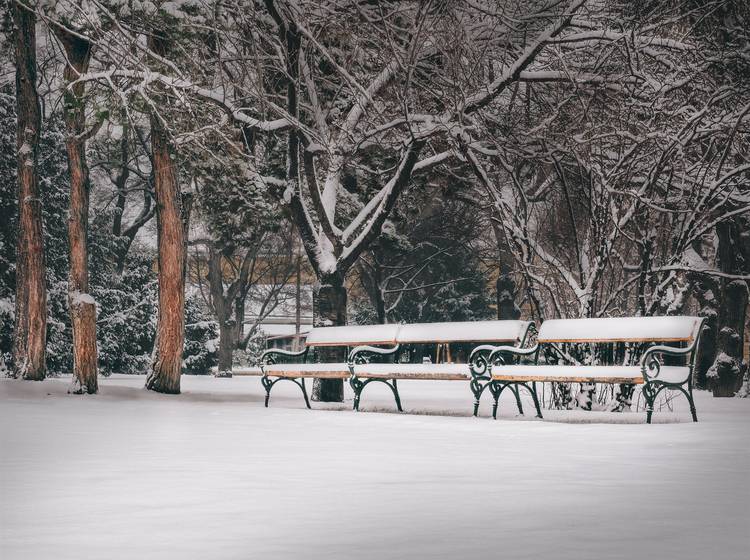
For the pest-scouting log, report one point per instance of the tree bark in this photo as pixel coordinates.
(707, 291)
(170, 330)
(505, 287)
(226, 348)
(329, 310)
(222, 308)
(30, 329)
(82, 306)
(239, 314)
(372, 282)
(726, 373)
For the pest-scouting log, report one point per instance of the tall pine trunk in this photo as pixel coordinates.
(329, 310)
(171, 232)
(82, 306)
(30, 329)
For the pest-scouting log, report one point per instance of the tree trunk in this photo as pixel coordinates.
(30, 330)
(170, 330)
(707, 291)
(82, 306)
(221, 304)
(329, 310)
(297, 303)
(372, 282)
(505, 287)
(226, 348)
(726, 373)
(505, 290)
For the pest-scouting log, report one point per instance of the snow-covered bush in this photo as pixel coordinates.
(250, 356)
(126, 309)
(201, 338)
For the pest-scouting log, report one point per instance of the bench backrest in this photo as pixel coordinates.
(464, 331)
(621, 329)
(419, 333)
(352, 335)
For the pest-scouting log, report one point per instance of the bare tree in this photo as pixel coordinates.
(605, 220)
(227, 276)
(130, 175)
(504, 88)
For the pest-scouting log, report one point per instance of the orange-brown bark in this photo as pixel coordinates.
(170, 336)
(30, 330)
(82, 306)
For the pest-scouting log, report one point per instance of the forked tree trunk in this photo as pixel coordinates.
(329, 310)
(30, 330)
(170, 330)
(82, 305)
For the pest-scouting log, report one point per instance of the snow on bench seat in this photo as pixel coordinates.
(418, 333)
(583, 374)
(447, 372)
(352, 335)
(321, 371)
(463, 331)
(621, 329)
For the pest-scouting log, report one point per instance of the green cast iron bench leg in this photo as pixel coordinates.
(268, 385)
(358, 386)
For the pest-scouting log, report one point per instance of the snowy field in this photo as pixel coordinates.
(211, 474)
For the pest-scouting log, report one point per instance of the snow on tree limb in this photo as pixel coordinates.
(510, 74)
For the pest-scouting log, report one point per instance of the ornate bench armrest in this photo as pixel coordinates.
(359, 352)
(269, 355)
(499, 350)
(479, 361)
(482, 357)
(650, 366)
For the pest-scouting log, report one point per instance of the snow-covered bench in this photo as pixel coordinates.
(278, 365)
(382, 353)
(388, 365)
(629, 339)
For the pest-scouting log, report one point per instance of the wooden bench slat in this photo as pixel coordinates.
(567, 379)
(584, 374)
(611, 340)
(424, 376)
(321, 374)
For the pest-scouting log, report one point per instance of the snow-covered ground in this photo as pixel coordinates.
(211, 474)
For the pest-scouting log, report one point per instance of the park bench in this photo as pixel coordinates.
(573, 351)
(278, 365)
(406, 360)
(387, 353)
